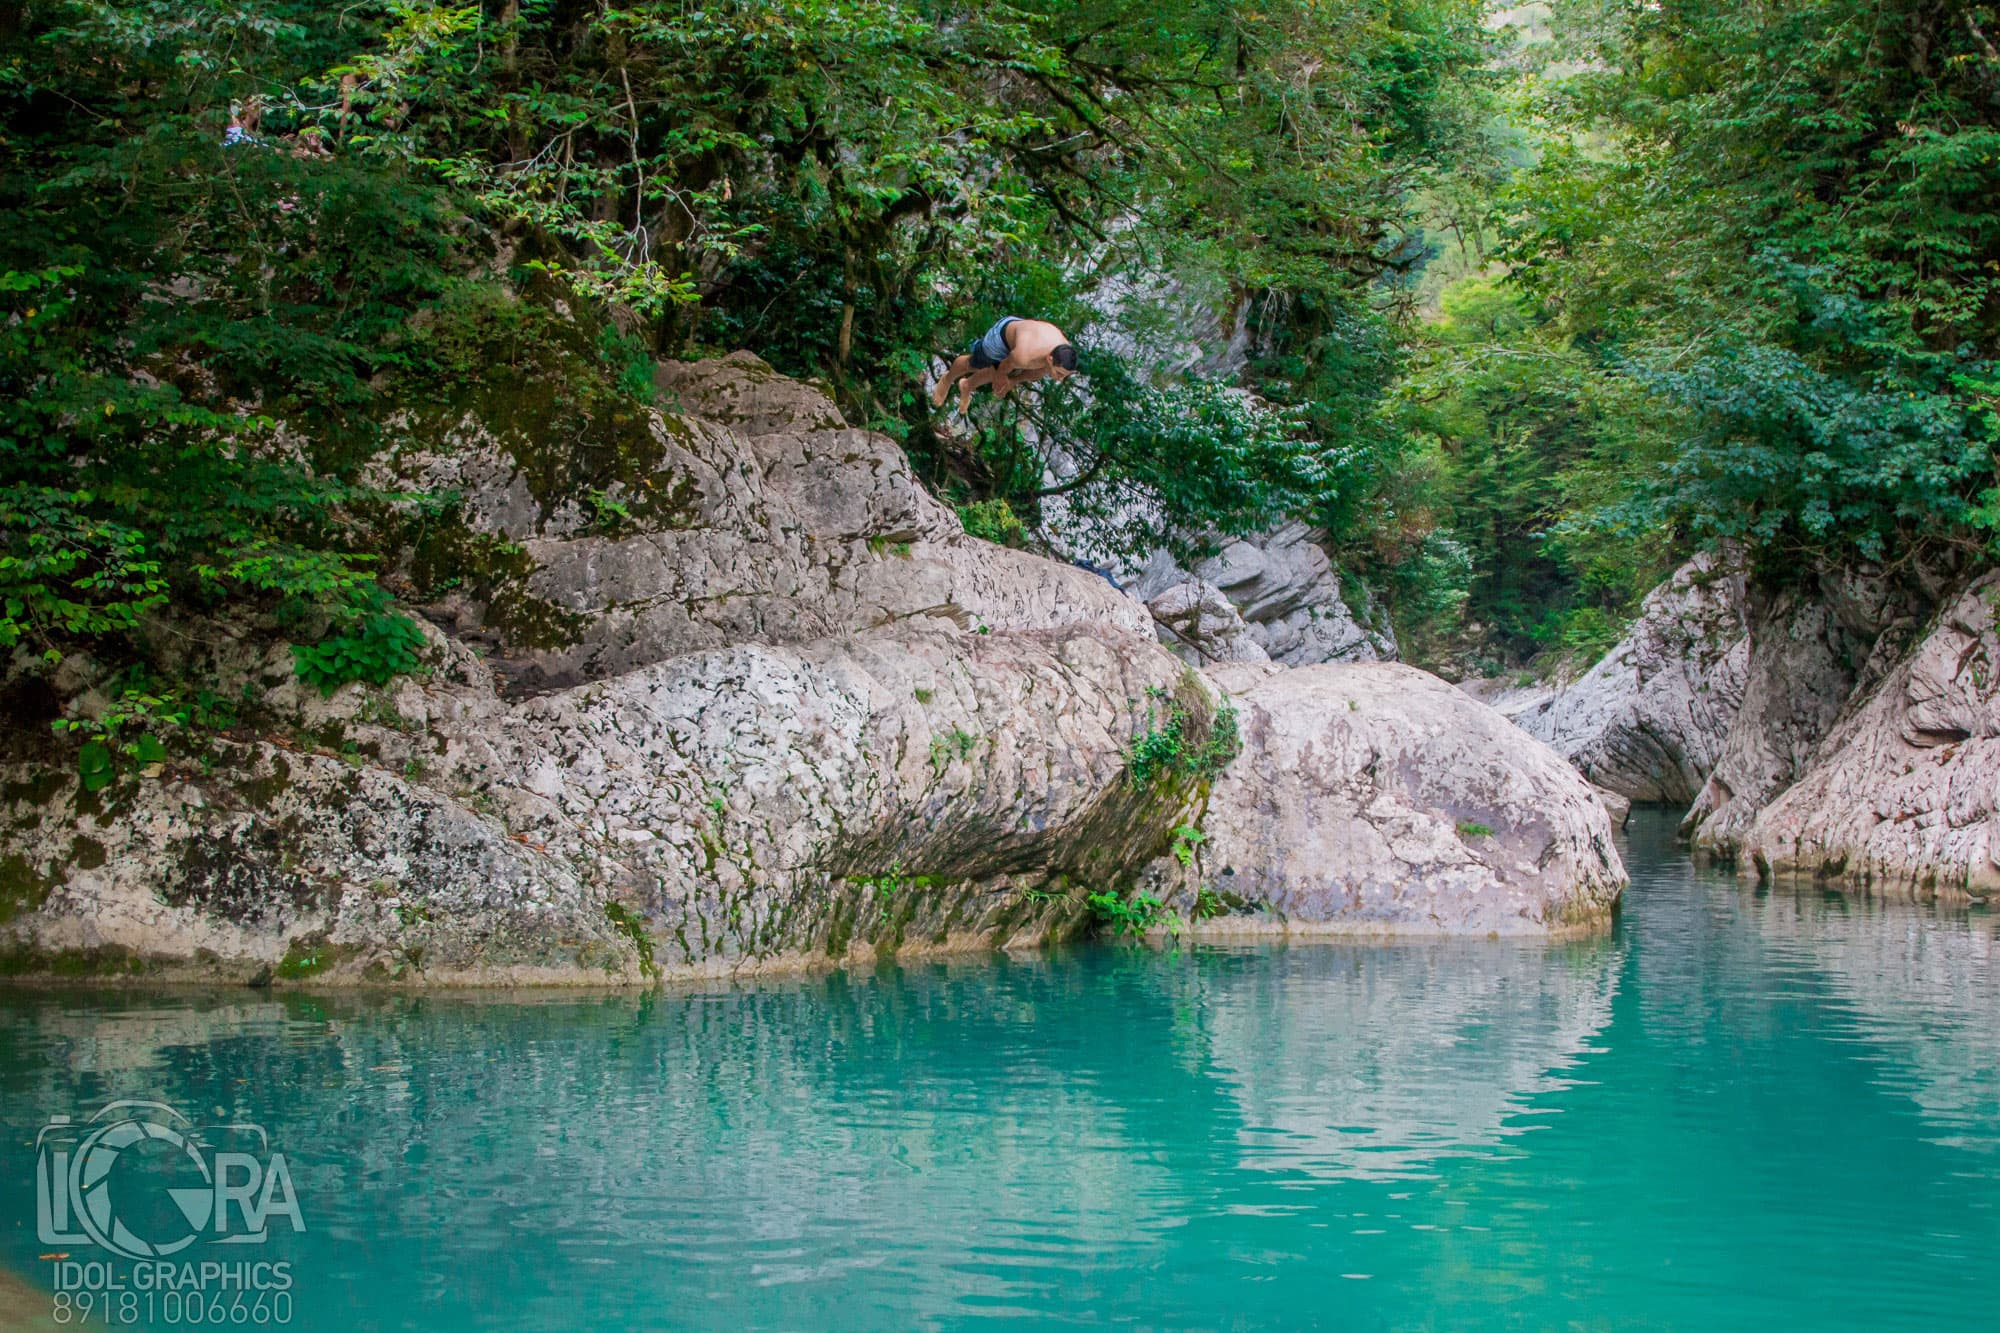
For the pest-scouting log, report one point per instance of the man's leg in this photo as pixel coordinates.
(958, 370)
(967, 385)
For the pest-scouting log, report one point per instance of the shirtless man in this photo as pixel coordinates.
(1013, 352)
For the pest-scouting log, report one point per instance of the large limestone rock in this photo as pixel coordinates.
(1199, 622)
(1649, 720)
(760, 518)
(1813, 645)
(718, 812)
(1378, 798)
(1285, 590)
(1901, 795)
(798, 717)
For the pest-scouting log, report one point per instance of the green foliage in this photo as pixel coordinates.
(1187, 841)
(993, 521)
(131, 733)
(1793, 263)
(1173, 464)
(304, 959)
(633, 927)
(1174, 748)
(377, 649)
(958, 743)
(199, 343)
(1208, 904)
(1130, 916)
(507, 209)
(894, 881)
(1507, 424)
(1469, 829)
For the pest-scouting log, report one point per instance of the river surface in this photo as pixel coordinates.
(1743, 1109)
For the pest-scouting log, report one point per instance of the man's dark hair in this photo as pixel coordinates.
(1064, 356)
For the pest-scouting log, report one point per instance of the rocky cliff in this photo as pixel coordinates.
(759, 702)
(1841, 724)
(1650, 719)
(1900, 796)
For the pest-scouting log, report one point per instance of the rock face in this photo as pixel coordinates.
(795, 716)
(1201, 624)
(761, 517)
(1650, 719)
(1286, 594)
(1901, 795)
(1812, 647)
(1379, 798)
(1836, 726)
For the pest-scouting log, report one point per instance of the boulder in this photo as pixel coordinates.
(1649, 720)
(1900, 797)
(1288, 594)
(772, 523)
(1199, 622)
(794, 716)
(1814, 645)
(1375, 798)
(722, 812)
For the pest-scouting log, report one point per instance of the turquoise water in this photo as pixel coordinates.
(1744, 1108)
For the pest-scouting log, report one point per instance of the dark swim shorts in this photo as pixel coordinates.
(990, 349)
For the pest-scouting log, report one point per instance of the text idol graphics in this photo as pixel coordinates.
(144, 1208)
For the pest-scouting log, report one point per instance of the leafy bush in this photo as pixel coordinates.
(1128, 916)
(378, 649)
(958, 743)
(1187, 841)
(1175, 463)
(129, 732)
(1166, 750)
(992, 520)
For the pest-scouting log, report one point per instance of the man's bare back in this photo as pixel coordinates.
(1033, 349)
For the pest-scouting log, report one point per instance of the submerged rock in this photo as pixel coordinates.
(795, 716)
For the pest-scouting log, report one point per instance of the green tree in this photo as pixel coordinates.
(1778, 221)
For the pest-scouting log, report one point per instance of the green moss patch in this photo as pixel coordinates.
(633, 927)
(105, 961)
(309, 957)
(21, 889)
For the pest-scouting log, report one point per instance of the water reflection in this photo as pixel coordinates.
(1376, 1061)
(1685, 1125)
(1923, 982)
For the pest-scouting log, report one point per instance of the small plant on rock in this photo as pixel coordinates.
(377, 649)
(127, 733)
(1167, 750)
(1129, 916)
(958, 743)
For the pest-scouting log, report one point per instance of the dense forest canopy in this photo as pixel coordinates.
(1532, 303)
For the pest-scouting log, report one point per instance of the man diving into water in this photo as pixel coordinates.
(1013, 352)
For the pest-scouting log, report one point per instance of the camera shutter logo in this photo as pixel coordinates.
(74, 1180)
